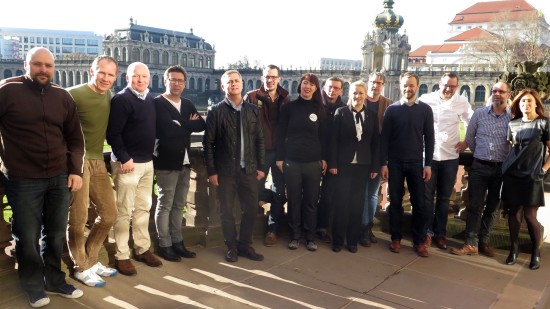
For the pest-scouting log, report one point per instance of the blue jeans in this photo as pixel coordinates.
(398, 173)
(275, 195)
(482, 179)
(40, 214)
(442, 183)
(371, 200)
(173, 187)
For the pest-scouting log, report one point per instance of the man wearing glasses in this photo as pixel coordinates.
(378, 104)
(177, 118)
(487, 138)
(332, 100)
(449, 108)
(269, 99)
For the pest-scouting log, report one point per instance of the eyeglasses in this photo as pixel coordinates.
(270, 77)
(499, 91)
(376, 83)
(449, 86)
(177, 81)
(334, 88)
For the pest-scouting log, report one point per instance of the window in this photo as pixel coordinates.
(67, 41)
(31, 39)
(57, 41)
(93, 51)
(480, 94)
(80, 50)
(146, 56)
(423, 90)
(135, 54)
(92, 42)
(192, 59)
(25, 39)
(208, 62)
(465, 89)
(67, 50)
(39, 40)
(164, 57)
(191, 83)
(44, 40)
(155, 57)
(79, 42)
(51, 40)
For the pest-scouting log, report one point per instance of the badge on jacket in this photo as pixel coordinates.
(313, 117)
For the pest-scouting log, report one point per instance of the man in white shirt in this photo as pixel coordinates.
(449, 108)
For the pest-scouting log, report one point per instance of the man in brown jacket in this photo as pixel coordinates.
(269, 99)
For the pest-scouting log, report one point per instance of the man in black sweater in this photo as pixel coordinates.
(407, 137)
(177, 118)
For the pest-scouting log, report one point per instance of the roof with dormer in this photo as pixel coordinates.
(136, 33)
(423, 50)
(486, 12)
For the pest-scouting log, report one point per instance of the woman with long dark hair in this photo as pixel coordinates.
(524, 169)
(301, 158)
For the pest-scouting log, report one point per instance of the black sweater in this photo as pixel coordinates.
(408, 133)
(173, 139)
(301, 132)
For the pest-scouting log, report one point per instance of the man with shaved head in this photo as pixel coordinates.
(42, 155)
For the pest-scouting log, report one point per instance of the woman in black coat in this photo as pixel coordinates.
(353, 158)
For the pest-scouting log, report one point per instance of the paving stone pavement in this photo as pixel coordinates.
(371, 278)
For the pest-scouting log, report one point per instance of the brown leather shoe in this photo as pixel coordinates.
(148, 258)
(421, 250)
(395, 246)
(465, 249)
(486, 250)
(428, 242)
(125, 267)
(270, 239)
(440, 242)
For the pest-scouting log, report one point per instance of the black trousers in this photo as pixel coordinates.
(302, 187)
(351, 181)
(246, 187)
(326, 201)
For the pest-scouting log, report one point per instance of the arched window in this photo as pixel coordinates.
(85, 77)
(56, 78)
(191, 83)
(208, 62)
(165, 57)
(71, 79)
(258, 84)
(199, 84)
(465, 89)
(184, 60)
(175, 58)
(123, 82)
(423, 89)
(18, 73)
(7, 73)
(201, 62)
(207, 84)
(135, 54)
(294, 87)
(249, 85)
(78, 79)
(192, 60)
(155, 85)
(124, 54)
(435, 88)
(480, 94)
(146, 56)
(109, 52)
(116, 55)
(63, 79)
(156, 57)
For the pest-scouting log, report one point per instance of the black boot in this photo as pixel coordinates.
(372, 238)
(535, 260)
(180, 249)
(364, 239)
(513, 255)
(168, 254)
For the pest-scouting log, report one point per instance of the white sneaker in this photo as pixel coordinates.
(103, 270)
(89, 278)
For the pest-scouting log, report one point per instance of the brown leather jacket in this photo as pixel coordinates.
(269, 112)
(383, 103)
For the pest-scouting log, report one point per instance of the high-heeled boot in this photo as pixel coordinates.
(535, 259)
(513, 255)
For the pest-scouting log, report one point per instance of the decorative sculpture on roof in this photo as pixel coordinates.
(528, 75)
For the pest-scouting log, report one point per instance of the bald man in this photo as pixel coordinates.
(42, 155)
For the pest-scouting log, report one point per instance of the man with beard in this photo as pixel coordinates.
(42, 154)
(449, 108)
(407, 151)
(269, 98)
(487, 138)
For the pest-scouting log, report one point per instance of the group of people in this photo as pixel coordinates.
(52, 161)
(330, 157)
(326, 160)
